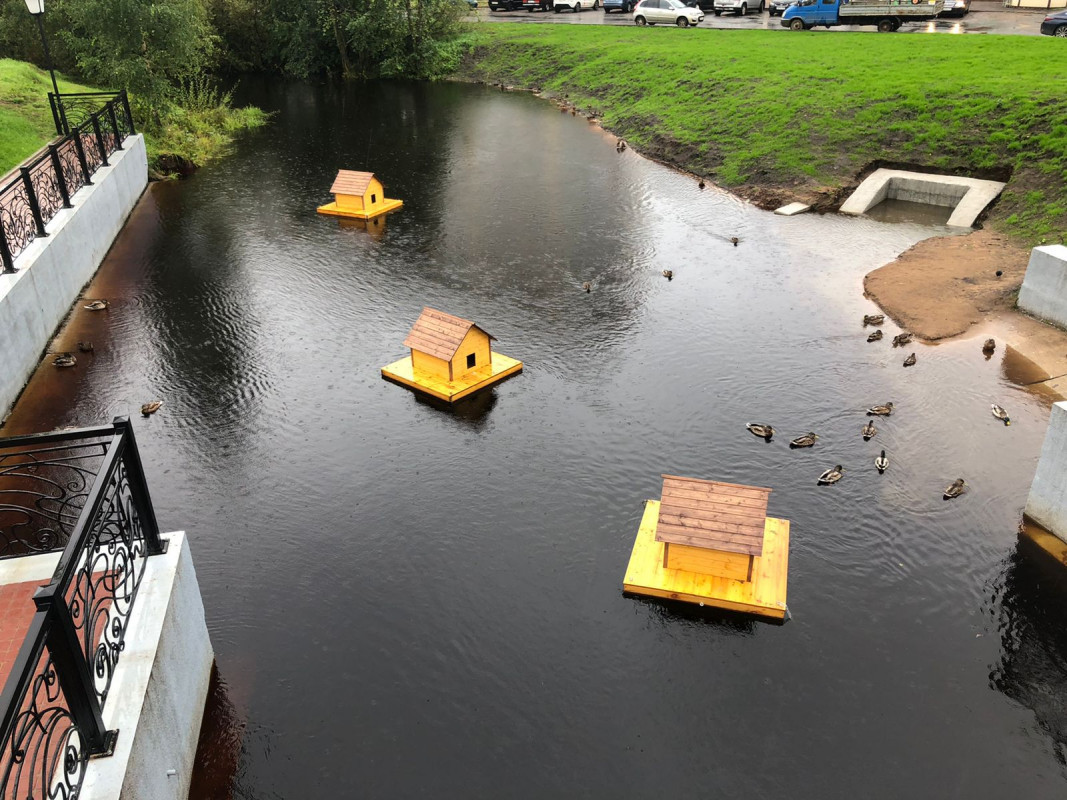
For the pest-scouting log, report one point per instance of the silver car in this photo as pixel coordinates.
(670, 12)
(742, 7)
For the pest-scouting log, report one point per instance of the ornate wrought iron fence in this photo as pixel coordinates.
(52, 704)
(94, 126)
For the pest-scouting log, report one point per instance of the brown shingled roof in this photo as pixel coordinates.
(351, 182)
(439, 334)
(717, 516)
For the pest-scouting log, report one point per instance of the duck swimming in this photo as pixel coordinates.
(806, 440)
(956, 489)
(64, 360)
(587, 286)
(1001, 414)
(989, 346)
(901, 339)
(832, 475)
(97, 305)
(873, 319)
(668, 274)
(881, 463)
(764, 431)
(910, 361)
(875, 336)
(85, 347)
(148, 409)
(869, 431)
(880, 411)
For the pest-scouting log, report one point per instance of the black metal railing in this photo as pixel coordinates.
(92, 127)
(82, 492)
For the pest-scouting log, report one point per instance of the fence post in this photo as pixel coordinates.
(31, 197)
(77, 134)
(57, 165)
(114, 124)
(5, 252)
(75, 679)
(95, 117)
(53, 101)
(126, 108)
(142, 501)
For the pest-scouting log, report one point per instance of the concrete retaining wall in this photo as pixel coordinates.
(52, 270)
(1044, 289)
(157, 697)
(966, 196)
(1047, 503)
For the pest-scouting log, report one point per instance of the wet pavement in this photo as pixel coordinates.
(408, 600)
(984, 17)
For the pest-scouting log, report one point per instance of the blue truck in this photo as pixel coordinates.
(886, 15)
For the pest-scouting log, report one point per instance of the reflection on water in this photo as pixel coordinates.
(909, 211)
(430, 599)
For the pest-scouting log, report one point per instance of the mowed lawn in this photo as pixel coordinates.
(25, 117)
(811, 109)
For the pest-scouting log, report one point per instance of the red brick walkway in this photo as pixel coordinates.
(16, 612)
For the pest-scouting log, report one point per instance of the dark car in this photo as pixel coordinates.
(625, 6)
(1055, 24)
(535, 5)
(777, 7)
(504, 5)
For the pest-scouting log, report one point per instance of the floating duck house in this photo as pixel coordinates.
(450, 358)
(359, 195)
(712, 543)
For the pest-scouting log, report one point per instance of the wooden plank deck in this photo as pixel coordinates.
(765, 596)
(477, 379)
(331, 209)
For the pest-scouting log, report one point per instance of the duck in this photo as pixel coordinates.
(873, 319)
(64, 360)
(881, 463)
(587, 286)
(1001, 414)
(668, 274)
(701, 185)
(574, 112)
(875, 336)
(148, 409)
(832, 475)
(85, 347)
(98, 305)
(880, 411)
(764, 431)
(734, 240)
(901, 339)
(955, 489)
(910, 361)
(989, 346)
(620, 146)
(806, 440)
(869, 431)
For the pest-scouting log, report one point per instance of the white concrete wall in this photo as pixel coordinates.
(1047, 503)
(1044, 289)
(160, 687)
(52, 270)
(967, 196)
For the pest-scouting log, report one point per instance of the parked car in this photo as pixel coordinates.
(472, 3)
(740, 6)
(576, 5)
(956, 8)
(777, 7)
(649, 12)
(504, 5)
(1055, 24)
(534, 5)
(625, 6)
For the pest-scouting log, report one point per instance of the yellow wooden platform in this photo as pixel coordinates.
(386, 206)
(764, 596)
(475, 380)
(1045, 540)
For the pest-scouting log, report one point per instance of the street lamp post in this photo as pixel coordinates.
(36, 9)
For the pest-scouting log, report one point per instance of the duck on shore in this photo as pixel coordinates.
(64, 360)
(901, 339)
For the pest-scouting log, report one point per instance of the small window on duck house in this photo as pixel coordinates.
(471, 360)
(374, 198)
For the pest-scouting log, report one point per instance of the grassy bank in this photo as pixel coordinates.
(805, 112)
(198, 126)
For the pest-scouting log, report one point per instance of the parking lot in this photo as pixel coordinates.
(984, 17)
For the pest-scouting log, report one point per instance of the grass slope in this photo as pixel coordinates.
(25, 118)
(804, 110)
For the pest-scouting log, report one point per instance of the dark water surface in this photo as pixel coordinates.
(407, 601)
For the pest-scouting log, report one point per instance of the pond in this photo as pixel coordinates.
(407, 600)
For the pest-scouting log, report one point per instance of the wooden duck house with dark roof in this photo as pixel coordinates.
(358, 195)
(712, 543)
(450, 358)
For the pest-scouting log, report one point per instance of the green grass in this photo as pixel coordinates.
(25, 119)
(809, 110)
(199, 127)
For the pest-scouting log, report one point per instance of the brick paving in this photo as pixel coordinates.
(16, 612)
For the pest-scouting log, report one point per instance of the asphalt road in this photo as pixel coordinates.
(984, 17)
